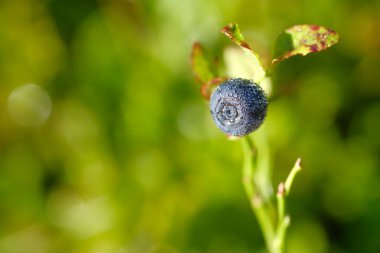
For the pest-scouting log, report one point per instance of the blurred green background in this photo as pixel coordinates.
(107, 146)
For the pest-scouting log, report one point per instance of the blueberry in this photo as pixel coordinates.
(238, 106)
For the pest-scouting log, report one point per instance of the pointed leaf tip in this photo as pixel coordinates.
(232, 31)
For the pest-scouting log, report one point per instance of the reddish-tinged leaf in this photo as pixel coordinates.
(232, 31)
(202, 70)
(302, 40)
(206, 88)
(200, 65)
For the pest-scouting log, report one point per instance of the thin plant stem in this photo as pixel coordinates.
(280, 203)
(248, 166)
(263, 169)
(289, 181)
(258, 207)
(283, 221)
(279, 240)
(256, 181)
(265, 222)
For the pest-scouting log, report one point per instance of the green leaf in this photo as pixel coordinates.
(252, 60)
(303, 39)
(200, 65)
(203, 71)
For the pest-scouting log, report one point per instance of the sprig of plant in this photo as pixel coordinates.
(257, 171)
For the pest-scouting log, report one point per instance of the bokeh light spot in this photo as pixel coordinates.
(29, 105)
(65, 208)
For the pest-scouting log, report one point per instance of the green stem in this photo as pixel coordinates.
(265, 222)
(289, 181)
(260, 209)
(280, 203)
(279, 240)
(256, 181)
(263, 172)
(282, 220)
(248, 167)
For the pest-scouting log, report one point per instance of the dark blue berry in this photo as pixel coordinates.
(238, 106)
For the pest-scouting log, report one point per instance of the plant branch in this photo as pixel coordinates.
(256, 175)
(263, 171)
(283, 221)
(260, 208)
(248, 166)
(289, 181)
